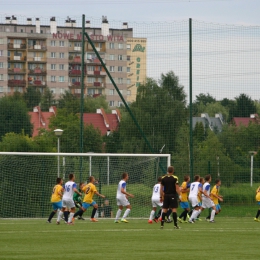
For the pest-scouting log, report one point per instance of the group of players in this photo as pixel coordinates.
(167, 194)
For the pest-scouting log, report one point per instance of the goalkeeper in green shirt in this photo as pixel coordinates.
(78, 200)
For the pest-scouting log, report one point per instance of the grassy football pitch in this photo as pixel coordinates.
(228, 238)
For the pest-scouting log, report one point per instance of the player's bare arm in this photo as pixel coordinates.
(100, 195)
(126, 193)
(75, 190)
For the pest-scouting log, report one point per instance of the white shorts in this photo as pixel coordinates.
(122, 201)
(207, 203)
(194, 201)
(68, 204)
(156, 202)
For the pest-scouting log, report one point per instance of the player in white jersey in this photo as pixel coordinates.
(155, 201)
(67, 199)
(122, 201)
(195, 188)
(206, 200)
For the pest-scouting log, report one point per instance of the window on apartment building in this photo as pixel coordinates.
(18, 65)
(111, 68)
(62, 90)
(1, 89)
(120, 68)
(111, 92)
(120, 57)
(91, 80)
(128, 69)
(120, 80)
(61, 66)
(77, 44)
(21, 30)
(128, 93)
(31, 31)
(53, 43)
(53, 66)
(2, 53)
(17, 41)
(128, 46)
(53, 78)
(53, 54)
(61, 79)
(91, 91)
(112, 103)
(62, 55)
(1, 65)
(1, 76)
(128, 57)
(120, 45)
(62, 44)
(112, 57)
(1, 41)
(111, 45)
(8, 89)
(99, 45)
(41, 31)
(128, 81)
(90, 68)
(53, 90)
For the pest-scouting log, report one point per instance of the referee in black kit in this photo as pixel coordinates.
(169, 195)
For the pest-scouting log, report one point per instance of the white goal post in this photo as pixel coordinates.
(30, 177)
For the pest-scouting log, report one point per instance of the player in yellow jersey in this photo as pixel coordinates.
(214, 195)
(89, 190)
(257, 197)
(184, 203)
(56, 198)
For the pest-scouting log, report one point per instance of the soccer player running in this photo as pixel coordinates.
(89, 190)
(122, 201)
(214, 195)
(67, 199)
(169, 193)
(56, 198)
(185, 188)
(206, 200)
(195, 189)
(155, 202)
(257, 197)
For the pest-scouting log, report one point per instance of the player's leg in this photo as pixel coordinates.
(166, 205)
(95, 207)
(82, 209)
(128, 209)
(71, 216)
(168, 216)
(119, 211)
(61, 213)
(213, 211)
(257, 213)
(152, 215)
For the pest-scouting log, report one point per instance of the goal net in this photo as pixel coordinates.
(27, 180)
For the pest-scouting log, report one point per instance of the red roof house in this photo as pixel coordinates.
(245, 120)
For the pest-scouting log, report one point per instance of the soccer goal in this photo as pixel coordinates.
(27, 179)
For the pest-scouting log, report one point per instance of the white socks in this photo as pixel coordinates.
(118, 214)
(59, 216)
(126, 213)
(152, 215)
(70, 218)
(213, 212)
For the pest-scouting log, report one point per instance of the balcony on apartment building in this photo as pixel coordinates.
(16, 71)
(37, 71)
(14, 46)
(97, 84)
(16, 83)
(96, 73)
(75, 72)
(74, 59)
(37, 83)
(95, 61)
(75, 49)
(37, 59)
(37, 47)
(17, 58)
(75, 84)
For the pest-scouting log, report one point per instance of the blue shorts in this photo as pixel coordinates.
(184, 205)
(87, 205)
(57, 205)
(258, 202)
(218, 208)
(200, 204)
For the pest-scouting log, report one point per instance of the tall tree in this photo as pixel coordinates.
(32, 97)
(47, 99)
(14, 116)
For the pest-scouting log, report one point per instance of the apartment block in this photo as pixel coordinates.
(50, 56)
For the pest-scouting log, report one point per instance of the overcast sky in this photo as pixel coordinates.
(226, 59)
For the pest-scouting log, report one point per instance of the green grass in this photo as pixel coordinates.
(228, 238)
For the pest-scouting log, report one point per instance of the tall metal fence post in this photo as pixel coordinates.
(190, 81)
